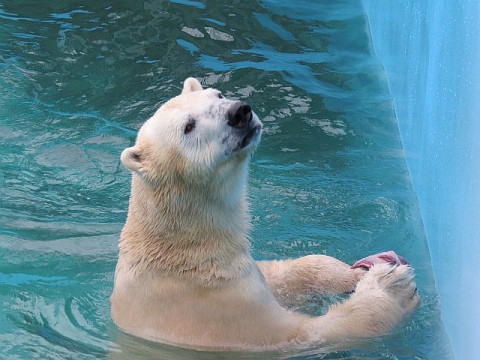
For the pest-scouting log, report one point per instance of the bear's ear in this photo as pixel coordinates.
(191, 85)
(132, 158)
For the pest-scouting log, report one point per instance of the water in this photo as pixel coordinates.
(79, 78)
(432, 61)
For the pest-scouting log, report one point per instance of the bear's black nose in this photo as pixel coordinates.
(239, 115)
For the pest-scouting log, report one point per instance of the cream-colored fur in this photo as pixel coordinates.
(185, 275)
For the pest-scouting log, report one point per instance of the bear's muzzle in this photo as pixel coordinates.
(244, 121)
(239, 115)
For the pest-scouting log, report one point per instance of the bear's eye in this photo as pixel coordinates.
(189, 127)
(220, 96)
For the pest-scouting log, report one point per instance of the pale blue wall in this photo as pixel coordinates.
(431, 53)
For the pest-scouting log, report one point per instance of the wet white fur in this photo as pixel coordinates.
(185, 275)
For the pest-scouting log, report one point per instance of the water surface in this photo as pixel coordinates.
(79, 78)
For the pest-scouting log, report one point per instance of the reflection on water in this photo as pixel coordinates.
(79, 78)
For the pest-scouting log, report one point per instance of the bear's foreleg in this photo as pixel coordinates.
(293, 281)
(383, 298)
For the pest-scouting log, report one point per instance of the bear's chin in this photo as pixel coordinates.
(252, 137)
(249, 141)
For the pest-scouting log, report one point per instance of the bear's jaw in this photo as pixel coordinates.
(251, 137)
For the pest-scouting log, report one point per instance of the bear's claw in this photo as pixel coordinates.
(390, 257)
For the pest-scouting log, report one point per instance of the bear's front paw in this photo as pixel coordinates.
(383, 298)
(394, 281)
(390, 257)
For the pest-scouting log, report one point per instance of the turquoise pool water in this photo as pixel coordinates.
(431, 53)
(79, 78)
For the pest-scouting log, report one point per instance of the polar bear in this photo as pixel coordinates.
(185, 275)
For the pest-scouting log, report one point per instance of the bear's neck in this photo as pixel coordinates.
(187, 232)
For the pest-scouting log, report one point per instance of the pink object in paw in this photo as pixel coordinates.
(390, 257)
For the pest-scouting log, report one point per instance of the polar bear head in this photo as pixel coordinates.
(198, 138)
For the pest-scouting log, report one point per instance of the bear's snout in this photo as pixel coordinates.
(239, 115)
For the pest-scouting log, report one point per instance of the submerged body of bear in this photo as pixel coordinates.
(185, 275)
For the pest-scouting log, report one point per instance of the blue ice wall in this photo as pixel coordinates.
(431, 53)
